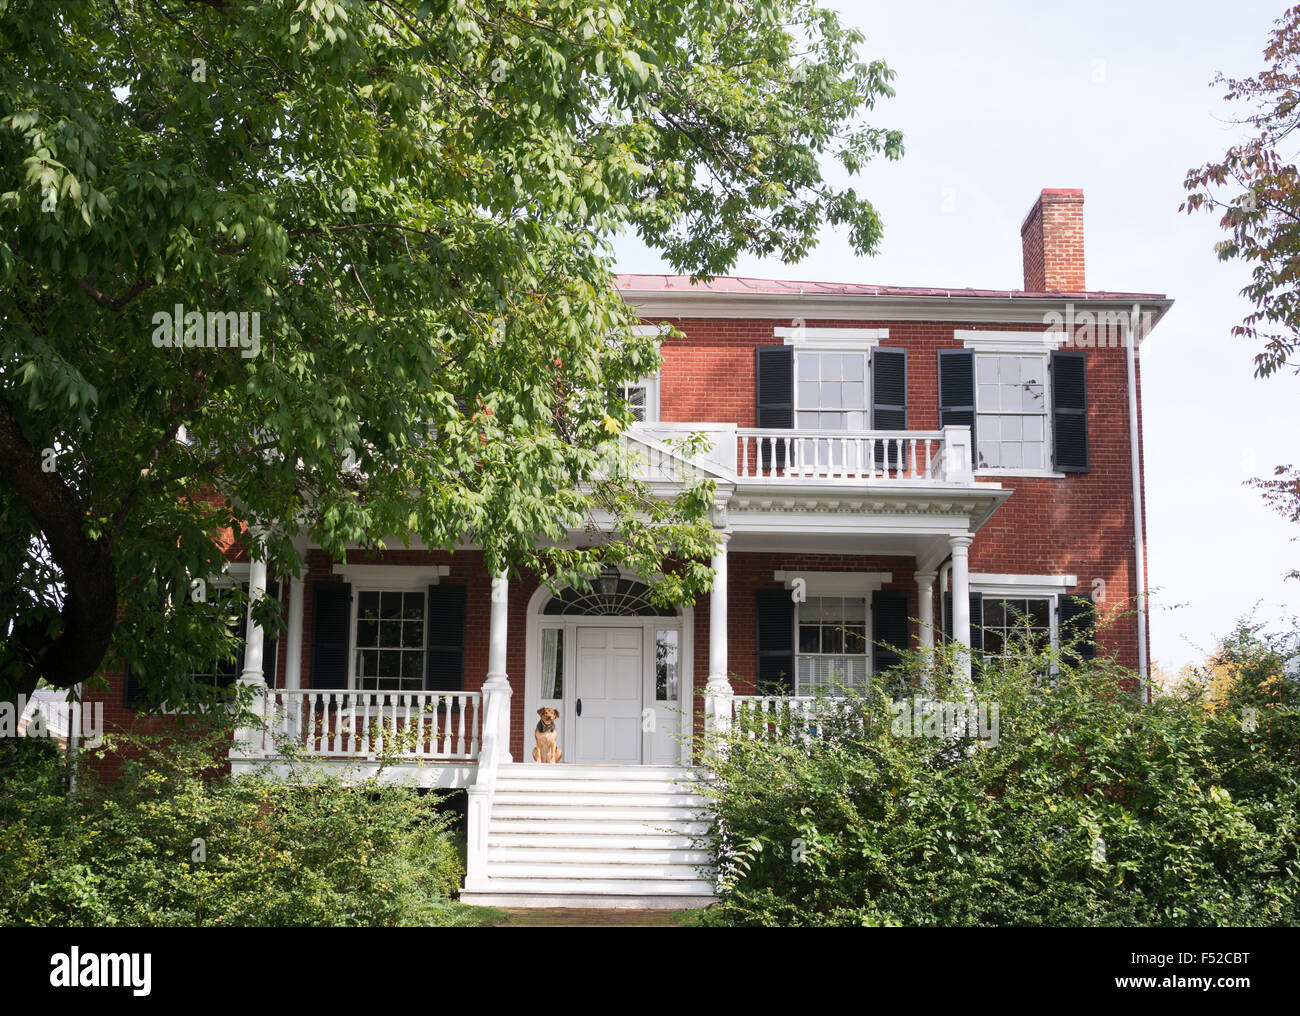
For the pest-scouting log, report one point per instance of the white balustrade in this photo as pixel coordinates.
(879, 456)
(370, 724)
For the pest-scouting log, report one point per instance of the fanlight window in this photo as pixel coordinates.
(623, 598)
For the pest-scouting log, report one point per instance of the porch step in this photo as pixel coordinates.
(558, 799)
(577, 835)
(563, 785)
(587, 775)
(546, 825)
(629, 887)
(594, 870)
(591, 855)
(596, 840)
(544, 812)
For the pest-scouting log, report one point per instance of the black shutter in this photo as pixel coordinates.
(131, 688)
(1077, 628)
(888, 395)
(331, 634)
(270, 641)
(444, 649)
(774, 371)
(774, 639)
(957, 392)
(889, 624)
(976, 619)
(1069, 412)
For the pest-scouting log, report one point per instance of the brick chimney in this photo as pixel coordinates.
(1052, 239)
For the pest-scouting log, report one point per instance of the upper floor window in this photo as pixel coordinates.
(831, 391)
(1012, 412)
(643, 398)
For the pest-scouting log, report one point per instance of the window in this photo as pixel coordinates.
(1011, 621)
(222, 673)
(831, 391)
(831, 652)
(1011, 406)
(390, 641)
(666, 665)
(643, 398)
(552, 663)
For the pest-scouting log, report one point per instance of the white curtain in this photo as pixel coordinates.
(550, 659)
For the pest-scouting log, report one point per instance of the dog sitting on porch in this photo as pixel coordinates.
(547, 749)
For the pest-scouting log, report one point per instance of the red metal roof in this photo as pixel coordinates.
(794, 287)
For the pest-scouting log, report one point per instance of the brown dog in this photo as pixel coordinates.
(547, 750)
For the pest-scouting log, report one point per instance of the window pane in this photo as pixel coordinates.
(809, 638)
(808, 393)
(368, 605)
(807, 365)
(553, 663)
(855, 395)
(666, 666)
(854, 367)
(390, 605)
(413, 606)
(831, 367)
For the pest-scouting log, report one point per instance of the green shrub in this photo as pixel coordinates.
(176, 841)
(1090, 809)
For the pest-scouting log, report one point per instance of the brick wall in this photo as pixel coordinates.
(1080, 525)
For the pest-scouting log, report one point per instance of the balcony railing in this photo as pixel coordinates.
(852, 456)
(442, 725)
(794, 456)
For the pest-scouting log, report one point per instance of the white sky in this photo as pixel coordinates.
(1000, 99)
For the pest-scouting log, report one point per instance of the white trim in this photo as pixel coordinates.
(831, 338)
(827, 583)
(393, 577)
(646, 331)
(1013, 471)
(1021, 585)
(1009, 342)
(956, 306)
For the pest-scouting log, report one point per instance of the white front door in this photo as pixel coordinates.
(608, 695)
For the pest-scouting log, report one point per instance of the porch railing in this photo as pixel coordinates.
(442, 725)
(777, 716)
(853, 456)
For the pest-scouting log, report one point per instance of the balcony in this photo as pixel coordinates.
(758, 457)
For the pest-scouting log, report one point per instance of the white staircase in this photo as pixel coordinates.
(594, 836)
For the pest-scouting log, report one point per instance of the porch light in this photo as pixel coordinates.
(607, 584)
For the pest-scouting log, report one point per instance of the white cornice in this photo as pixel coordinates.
(939, 307)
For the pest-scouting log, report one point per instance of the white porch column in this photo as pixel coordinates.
(925, 603)
(498, 683)
(293, 651)
(252, 674)
(961, 603)
(248, 740)
(717, 690)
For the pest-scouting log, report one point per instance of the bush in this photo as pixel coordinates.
(177, 841)
(1088, 808)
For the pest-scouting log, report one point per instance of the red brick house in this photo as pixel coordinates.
(889, 462)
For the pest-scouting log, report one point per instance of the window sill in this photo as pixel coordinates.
(1045, 474)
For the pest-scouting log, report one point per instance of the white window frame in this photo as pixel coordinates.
(393, 585)
(867, 673)
(1015, 343)
(827, 583)
(1026, 587)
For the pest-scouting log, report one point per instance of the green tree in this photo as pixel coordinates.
(417, 199)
